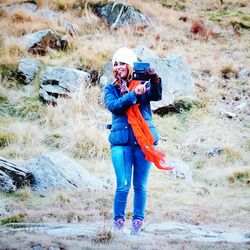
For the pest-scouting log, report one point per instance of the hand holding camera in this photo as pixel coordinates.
(151, 74)
(143, 72)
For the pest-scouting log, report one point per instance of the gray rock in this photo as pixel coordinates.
(20, 6)
(119, 14)
(176, 79)
(57, 81)
(143, 53)
(6, 183)
(215, 152)
(228, 114)
(175, 74)
(55, 170)
(13, 176)
(63, 42)
(39, 42)
(181, 170)
(107, 76)
(71, 29)
(27, 70)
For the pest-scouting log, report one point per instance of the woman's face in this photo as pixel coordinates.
(121, 70)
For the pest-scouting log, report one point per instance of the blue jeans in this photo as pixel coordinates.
(128, 159)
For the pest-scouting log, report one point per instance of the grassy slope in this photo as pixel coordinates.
(28, 127)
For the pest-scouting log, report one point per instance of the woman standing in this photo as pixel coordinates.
(132, 135)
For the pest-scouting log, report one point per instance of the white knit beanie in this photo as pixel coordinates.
(124, 55)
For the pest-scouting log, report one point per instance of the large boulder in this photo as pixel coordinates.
(119, 14)
(57, 81)
(55, 170)
(173, 70)
(27, 70)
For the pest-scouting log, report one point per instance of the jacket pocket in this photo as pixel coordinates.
(119, 134)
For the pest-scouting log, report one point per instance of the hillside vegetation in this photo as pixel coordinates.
(214, 38)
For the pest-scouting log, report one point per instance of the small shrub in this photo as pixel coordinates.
(15, 219)
(240, 177)
(174, 4)
(6, 139)
(231, 155)
(63, 199)
(103, 237)
(53, 140)
(30, 108)
(228, 71)
(24, 194)
(8, 72)
(20, 17)
(231, 17)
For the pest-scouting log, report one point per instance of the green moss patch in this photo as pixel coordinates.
(15, 219)
(233, 17)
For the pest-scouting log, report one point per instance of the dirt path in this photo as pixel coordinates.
(169, 230)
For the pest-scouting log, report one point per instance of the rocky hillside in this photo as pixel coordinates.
(54, 61)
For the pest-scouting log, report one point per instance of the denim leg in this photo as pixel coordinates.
(140, 179)
(122, 161)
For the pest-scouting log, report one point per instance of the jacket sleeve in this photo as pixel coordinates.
(117, 104)
(155, 91)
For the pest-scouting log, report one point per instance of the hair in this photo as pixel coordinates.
(129, 75)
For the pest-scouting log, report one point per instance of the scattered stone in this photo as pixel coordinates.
(228, 114)
(243, 74)
(181, 170)
(36, 246)
(242, 105)
(63, 43)
(27, 70)
(55, 170)
(57, 81)
(39, 42)
(119, 14)
(71, 29)
(215, 152)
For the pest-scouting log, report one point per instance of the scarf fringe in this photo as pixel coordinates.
(143, 134)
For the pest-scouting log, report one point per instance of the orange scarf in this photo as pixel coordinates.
(143, 134)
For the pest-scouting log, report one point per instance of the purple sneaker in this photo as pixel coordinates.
(118, 224)
(136, 227)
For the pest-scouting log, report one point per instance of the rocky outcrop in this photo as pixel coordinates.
(27, 70)
(173, 70)
(57, 81)
(55, 170)
(167, 232)
(119, 14)
(13, 176)
(41, 41)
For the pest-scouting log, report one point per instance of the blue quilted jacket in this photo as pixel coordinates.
(121, 132)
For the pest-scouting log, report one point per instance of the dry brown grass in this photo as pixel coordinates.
(76, 126)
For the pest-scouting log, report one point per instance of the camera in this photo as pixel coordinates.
(138, 71)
